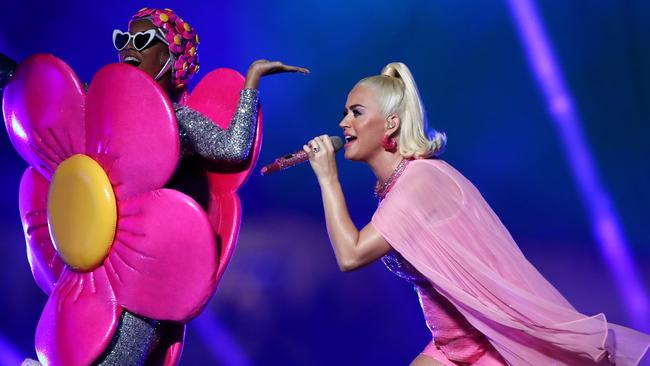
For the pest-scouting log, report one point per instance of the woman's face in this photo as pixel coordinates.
(151, 59)
(364, 125)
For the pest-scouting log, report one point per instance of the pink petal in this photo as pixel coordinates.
(217, 96)
(174, 351)
(224, 214)
(43, 259)
(78, 321)
(43, 112)
(132, 130)
(163, 262)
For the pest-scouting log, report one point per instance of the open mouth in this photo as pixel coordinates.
(132, 61)
(349, 138)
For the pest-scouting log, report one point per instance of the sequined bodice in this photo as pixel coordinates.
(402, 268)
(450, 330)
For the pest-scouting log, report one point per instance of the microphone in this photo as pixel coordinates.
(296, 158)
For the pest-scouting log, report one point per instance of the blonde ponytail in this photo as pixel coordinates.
(397, 93)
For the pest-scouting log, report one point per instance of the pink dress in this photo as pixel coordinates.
(483, 301)
(454, 339)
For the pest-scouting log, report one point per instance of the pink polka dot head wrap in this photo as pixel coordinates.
(181, 39)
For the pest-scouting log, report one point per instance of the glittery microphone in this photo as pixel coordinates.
(296, 158)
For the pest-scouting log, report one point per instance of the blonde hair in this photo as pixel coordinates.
(397, 93)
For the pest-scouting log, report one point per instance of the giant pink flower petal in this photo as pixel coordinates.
(163, 262)
(43, 112)
(224, 210)
(131, 129)
(78, 321)
(43, 259)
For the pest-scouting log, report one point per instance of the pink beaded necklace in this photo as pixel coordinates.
(381, 190)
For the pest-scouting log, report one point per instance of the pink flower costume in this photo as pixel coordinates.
(102, 234)
(483, 301)
(125, 261)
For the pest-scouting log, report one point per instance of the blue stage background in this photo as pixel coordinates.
(283, 301)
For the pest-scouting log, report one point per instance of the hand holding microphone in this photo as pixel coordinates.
(322, 158)
(318, 150)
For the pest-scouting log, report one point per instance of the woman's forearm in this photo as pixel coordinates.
(353, 248)
(252, 79)
(201, 136)
(343, 234)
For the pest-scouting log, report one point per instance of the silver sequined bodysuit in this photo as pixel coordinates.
(136, 337)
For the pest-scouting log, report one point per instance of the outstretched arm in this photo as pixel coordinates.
(201, 136)
(353, 248)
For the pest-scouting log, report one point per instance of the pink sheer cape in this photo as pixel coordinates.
(439, 222)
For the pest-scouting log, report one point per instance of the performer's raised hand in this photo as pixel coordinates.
(261, 68)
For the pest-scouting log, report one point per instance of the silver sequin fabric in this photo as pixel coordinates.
(199, 135)
(134, 339)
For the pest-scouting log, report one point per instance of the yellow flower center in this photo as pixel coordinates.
(81, 212)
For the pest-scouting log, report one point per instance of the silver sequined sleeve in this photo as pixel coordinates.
(199, 135)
